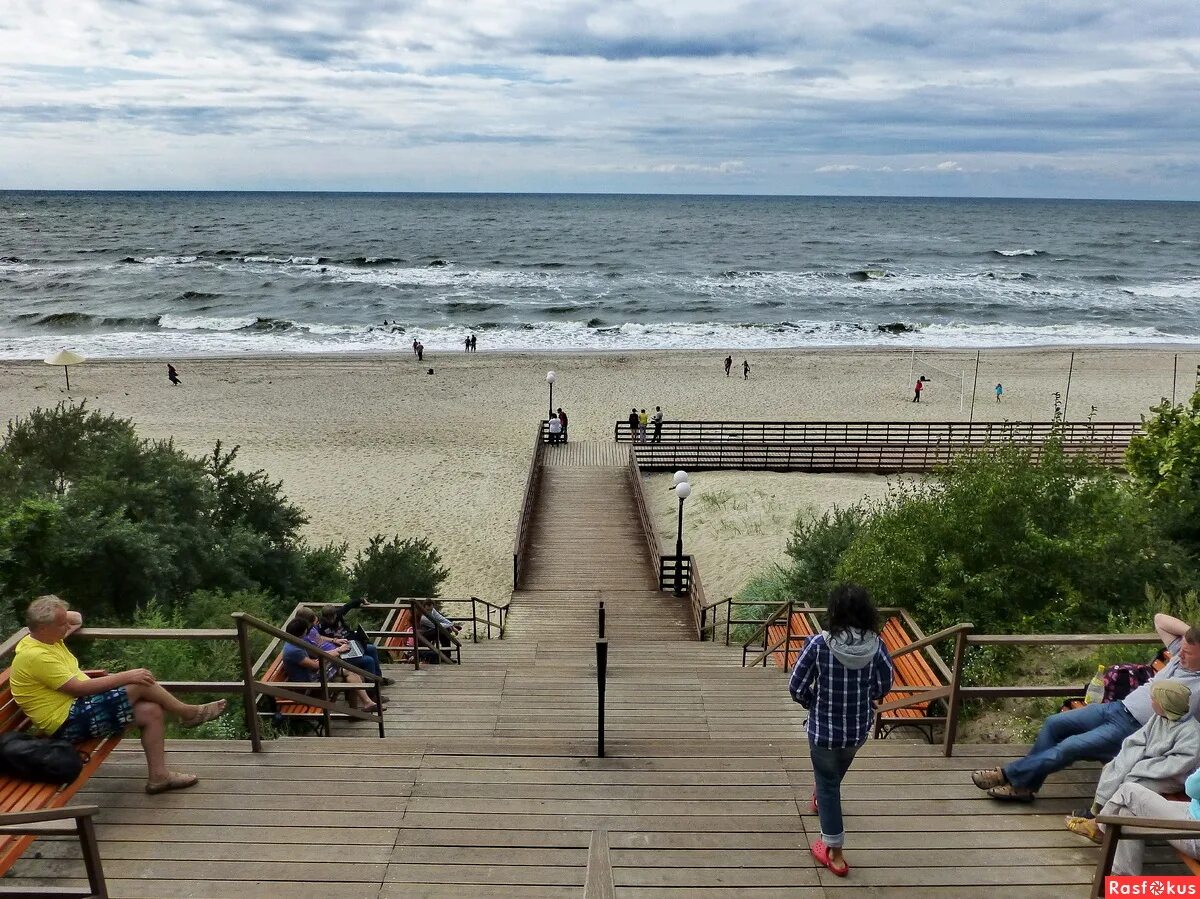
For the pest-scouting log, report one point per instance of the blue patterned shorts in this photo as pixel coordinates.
(105, 714)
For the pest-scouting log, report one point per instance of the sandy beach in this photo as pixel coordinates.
(376, 444)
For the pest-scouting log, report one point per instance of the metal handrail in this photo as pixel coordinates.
(826, 432)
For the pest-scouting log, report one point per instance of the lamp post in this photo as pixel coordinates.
(682, 490)
(550, 378)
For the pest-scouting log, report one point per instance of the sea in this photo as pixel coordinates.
(170, 274)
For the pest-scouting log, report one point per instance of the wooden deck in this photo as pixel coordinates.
(487, 784)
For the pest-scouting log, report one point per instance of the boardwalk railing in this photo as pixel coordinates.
(647, 521)
(964, 637)
(532, 482)
(956, 432)
(879, 457)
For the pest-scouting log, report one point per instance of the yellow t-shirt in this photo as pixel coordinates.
(38, 670)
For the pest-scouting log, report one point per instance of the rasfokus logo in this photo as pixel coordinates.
(1151, 886)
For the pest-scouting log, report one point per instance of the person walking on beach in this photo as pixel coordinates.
(420, 351)
(728, 365)
(172, 375)
(745, 370)
(633, 423)
(416, 343)
(920, 385)
(643, 420)
(474, 342)
(657, 419)
(999, 392)
(467, 344)
(562, 420)
(842, 673)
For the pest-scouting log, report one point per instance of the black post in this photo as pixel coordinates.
(679, 553)
(601, 620)
(601, 678)
(551, 401)
(1067, 398)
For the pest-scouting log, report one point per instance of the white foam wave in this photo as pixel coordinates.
(205, 323)
(1187, 289)
(168, 260)
(1018, 252)
(565, 336)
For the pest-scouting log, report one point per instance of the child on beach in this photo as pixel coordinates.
(842, 673)
(1160, 756)
(999, 392)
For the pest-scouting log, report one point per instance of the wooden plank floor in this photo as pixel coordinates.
(487, 784)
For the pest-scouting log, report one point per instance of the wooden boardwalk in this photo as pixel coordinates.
(487, 784)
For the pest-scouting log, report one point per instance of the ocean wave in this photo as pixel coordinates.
(190, 295)
(215, 337)
(71, 320)
(1011, 253)
(159, 260)
(869, 274)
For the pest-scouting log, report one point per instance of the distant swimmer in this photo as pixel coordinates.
(172, 375)
(728, 365)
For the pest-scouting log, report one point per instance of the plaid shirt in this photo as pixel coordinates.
(839, 699)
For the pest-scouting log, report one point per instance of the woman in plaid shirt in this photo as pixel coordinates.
(840, 676)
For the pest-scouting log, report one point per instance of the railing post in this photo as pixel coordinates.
(251, 710)
(601, 683)
(953, 701)
(412, 615)
(729, 624)
(325, 717)
(475, 623)
(787, 643)
(601, 619)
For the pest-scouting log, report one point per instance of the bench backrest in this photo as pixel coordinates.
(397, 620)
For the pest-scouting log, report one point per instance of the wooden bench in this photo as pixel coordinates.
(910, 670)
(287, 709)
(1163, 829)
(801, 627)
(24, 804)
(399, 648)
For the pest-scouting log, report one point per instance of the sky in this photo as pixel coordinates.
(1076, 98)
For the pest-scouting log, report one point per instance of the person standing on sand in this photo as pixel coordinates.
(416, 343)
(420, 351)
(172, 375)
(657, 419)
(633, 423)
(999, 392)
(474, 342)
(920, 385)
(745, 370)
(728, 365)
(842, 673)
(467, 344)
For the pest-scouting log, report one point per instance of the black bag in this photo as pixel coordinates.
(41, 759)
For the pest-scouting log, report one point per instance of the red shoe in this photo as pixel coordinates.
(812, 804)
(821, 853)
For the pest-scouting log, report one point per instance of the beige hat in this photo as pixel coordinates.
(1172, 697)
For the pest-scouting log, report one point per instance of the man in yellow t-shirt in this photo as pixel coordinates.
(61, 700)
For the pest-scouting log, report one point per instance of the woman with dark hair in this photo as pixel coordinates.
(842, 673)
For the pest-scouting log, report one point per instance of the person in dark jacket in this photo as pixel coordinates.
(633, 423)
(842, 673)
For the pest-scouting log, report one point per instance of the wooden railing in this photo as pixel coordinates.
(647, 521)
(879, 457)
(957, 432)
(532, 482)
(964, 637)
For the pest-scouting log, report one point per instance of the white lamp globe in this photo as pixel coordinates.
(683, 489)
(681, 477)
(550, 376)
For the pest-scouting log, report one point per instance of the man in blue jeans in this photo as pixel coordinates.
(1096, 731)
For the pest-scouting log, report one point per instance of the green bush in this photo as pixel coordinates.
(388, 569)
(110, 522)
(1164, 464)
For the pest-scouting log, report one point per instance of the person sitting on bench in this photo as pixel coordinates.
(62, 701)
(437, 629)
(332, 625)
(1133, 800)
(299, 666)
(1095, 732)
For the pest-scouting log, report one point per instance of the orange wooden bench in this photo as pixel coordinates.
(289, 709)
(1113, 833)
(21, 800)
(399, 648)
(909, 670)
(802, 626)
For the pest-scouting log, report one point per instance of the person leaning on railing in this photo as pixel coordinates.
(436, 629)
(298, 665)
(62, 701)
(1095, 731)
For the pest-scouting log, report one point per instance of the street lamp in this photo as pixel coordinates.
(550, 378)
(682, 490)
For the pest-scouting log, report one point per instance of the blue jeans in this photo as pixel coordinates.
(829, 767)
(1092, 733)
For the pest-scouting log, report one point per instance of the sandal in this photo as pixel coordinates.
(205, 713)
(987, 778)
(1085, 827)
(174, 781)
(821, 853)
(1009, 793)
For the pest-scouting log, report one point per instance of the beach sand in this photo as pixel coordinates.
(374, 444)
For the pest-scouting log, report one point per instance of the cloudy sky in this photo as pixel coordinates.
(1075, 98)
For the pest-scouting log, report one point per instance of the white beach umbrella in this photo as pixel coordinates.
(64, 358)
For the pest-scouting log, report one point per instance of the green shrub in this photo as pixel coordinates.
(393, 568)
(1164, 464)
